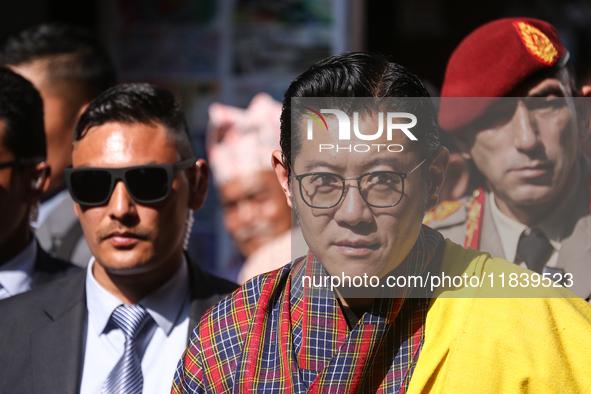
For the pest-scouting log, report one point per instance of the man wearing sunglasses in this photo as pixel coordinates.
(69, 68)
(121, 326)
(24, 175)
(360, 211)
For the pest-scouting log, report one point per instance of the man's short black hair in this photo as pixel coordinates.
(21, 111)
(138, 103)
(72, 55)
(358, 74)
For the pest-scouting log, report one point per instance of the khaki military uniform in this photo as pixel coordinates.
(469, 222)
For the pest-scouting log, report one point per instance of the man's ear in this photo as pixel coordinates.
(199, 184)
(40, 176)
(457, 178)
(464, 139)
(282, 173)
(437, 175)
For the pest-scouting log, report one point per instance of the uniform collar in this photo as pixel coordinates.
(553, 226)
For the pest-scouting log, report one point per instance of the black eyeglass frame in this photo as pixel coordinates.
(402, 175)
(21, 162)
(118, 174)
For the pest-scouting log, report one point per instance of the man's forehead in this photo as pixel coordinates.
(542, 87)
(244, 187)
(116, 142)
(325, 147)
(117, 132)
(371, 161)
(533, 93)
(362, 157)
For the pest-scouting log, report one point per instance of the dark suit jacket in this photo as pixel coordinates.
(48, 269)
(42, 332)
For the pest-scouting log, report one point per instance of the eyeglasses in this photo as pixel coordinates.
(379, 189)
(21, 162)
(145, 184)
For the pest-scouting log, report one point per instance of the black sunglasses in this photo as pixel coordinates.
(21, 162)
(145, 184)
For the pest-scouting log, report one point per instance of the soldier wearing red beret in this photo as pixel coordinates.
(507, 98)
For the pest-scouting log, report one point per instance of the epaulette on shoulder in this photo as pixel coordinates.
(441, 211)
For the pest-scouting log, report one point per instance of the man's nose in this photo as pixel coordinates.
(525, 133)
(246, 211)
(121, 204)
(353, 210)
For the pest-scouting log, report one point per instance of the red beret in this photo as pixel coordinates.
(492, 61)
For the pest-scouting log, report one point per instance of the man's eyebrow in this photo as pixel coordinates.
(151, 162)
(548, 90)
(257, 190)
(254, 190)
(318, 163)
(390, 161)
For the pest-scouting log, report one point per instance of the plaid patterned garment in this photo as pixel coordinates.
(274, 335)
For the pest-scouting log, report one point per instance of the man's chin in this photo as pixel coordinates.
(124, 264)
(253, 244)
(356, 267)
(532, 195)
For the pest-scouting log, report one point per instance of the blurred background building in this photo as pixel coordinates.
(229, 50)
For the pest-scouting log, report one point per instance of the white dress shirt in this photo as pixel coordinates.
(160, 343)
(17, 274)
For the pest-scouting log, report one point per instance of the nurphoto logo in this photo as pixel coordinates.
(345, 129)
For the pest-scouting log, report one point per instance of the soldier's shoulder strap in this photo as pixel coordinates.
(467, 211)
(475, 208)
(442, 211)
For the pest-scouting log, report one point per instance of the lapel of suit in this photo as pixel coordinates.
(203, 293)
(42, 273)
(490, 241)
(57, 348)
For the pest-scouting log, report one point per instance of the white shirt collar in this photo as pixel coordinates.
(16, 274)
(47, 207)
(509, 230)
(164, 304)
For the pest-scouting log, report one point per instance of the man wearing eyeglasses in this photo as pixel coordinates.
(360, 208)
(24, 175)
(120, 326)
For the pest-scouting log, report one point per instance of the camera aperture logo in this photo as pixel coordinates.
(345, 130)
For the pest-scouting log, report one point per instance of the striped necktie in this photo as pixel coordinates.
(126, 377)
